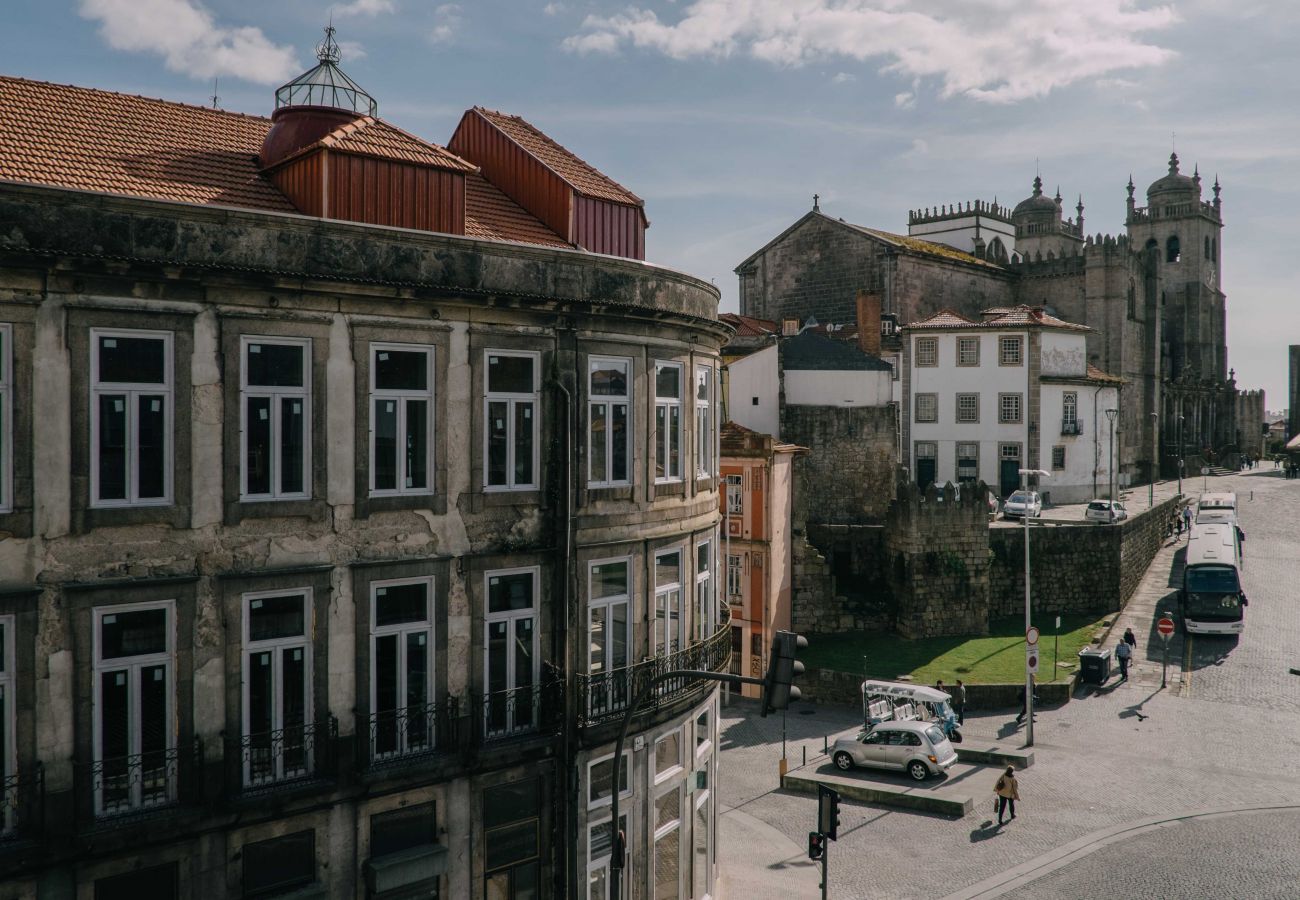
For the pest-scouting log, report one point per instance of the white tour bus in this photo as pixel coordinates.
(1217, 508)
(1212, 599)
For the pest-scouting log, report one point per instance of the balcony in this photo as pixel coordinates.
(1071, 426)
(530, 709)
(400, 736)
(287, 756)
(141, 783)
(604, 697)
(22, 804)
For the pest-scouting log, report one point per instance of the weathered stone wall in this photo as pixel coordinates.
(849, 476)
(939, 570)
(847, 590)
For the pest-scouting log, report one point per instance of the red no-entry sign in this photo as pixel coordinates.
(1165, 627)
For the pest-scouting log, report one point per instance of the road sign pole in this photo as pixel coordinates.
(1166, 629)
(826, 847)
(1164, 674)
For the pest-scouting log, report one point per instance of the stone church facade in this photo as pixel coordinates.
(1152, 295)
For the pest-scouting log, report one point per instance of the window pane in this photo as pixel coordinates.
(510, 802)
(598, 639)
(523, 654)
(258, 452)
(668, 568)
(136, 633)
(292, 417)
(498, 673)
(674, 441)
(401, 370)
(132, 360)
(275, 865)
(599, 431)
(275, 365)
(701, 385)
(385, 673)
(294, 662)
(618, 432)
(609, 379)
(112, 447)
(261, 681)
(403, 829)
(398, 603)
(498, 446)
(276, 617)
(417, 444)
(154, 736)
(618, 657)
(609, 580)
(602, 786)
(668, 755)
(417, 672)
(667, 851)
(700, 867)
(510, 374)
(668, 382)
(702, 558)
(114, 721)
(510, 592)
(523, 443)
(661, 426)
(385, 461)
(151, 464)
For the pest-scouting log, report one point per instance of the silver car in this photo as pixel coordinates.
(1106, 511)
(917, 748)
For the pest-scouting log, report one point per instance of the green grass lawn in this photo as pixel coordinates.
(998, 658)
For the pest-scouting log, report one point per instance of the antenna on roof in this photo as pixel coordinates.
(215, 98)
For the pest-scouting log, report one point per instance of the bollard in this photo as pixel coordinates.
(805, 754)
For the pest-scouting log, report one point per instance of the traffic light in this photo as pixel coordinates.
(782, 667)
(816, 845)
(828, 812)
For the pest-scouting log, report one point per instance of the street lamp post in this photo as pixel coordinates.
(1029, 678)
(1110, 415)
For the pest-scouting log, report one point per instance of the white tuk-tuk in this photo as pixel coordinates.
(895, 701)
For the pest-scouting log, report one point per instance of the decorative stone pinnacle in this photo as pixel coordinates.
(1173, 163)
(1038, 186)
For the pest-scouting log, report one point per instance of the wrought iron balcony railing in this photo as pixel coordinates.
(22, 804)
(531, 709)
(287, 755)
(399, 735)
(604, 696)
(1071, 426)
(142, 782)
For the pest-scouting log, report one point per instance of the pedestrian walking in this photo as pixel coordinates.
(1024, 705)
(1124, 653)
(1008, 792)
(938, 686)
(1187, 519)
(959, 701)
(1131, 639)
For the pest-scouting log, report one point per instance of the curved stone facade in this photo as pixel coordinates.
(337, 547)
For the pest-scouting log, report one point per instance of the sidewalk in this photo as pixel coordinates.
(758, 862)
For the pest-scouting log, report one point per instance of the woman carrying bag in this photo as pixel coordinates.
(1008, 792)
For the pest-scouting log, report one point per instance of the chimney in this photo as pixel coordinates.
(869, 322)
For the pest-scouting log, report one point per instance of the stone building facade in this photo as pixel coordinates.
(331, 552)
(1152, 295)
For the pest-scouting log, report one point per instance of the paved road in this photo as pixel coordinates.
(1221, 736)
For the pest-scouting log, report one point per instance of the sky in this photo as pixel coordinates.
(726, 116)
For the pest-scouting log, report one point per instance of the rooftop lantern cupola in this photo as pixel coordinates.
(314, 104)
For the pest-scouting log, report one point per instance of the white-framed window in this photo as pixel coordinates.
(403, 718)
(130, 418)
(511, 665)
(668, 755)
(609, 632)
(279, 744)
(135, 764)
(667, 822)
(600, 843)
(706, 612)
(1009, 451)
(512, 409)
(668, 421)
(668, 602)
(927, 351)
(702, 835)
(735, 495)
(1009, 408)
(609, 425)
(968, 461)
(968, 351)
(1009, 351)
(8, 718)
(705, 427)
(735, 575)
(968, 407)
(703, 731)
(401, 419)
(927, 407)
(275, 418)
(600, 780)
(1058, 457)
(1070, 412)
(6, 421)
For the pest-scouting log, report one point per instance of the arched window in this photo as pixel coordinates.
(997, 251)
(1214, 249)
(1207, 247)
(1172, 251)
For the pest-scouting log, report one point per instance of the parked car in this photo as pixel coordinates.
(1021, 504)
(1105, 511)
(994, 506)
(917, 748)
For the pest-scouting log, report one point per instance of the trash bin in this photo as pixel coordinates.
(1094, 665)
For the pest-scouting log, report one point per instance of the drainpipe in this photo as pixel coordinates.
(1095, 449)
(564, 640)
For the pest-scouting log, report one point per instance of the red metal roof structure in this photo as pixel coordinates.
(748, 326)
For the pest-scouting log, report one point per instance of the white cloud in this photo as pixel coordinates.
(843, 78)
(553, 9)
(351, 50)
(448, 20)
(905, 100)
(996, 51)
(190, 41)
(370, 8)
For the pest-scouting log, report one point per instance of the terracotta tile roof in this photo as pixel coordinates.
(998, 317)
(1096, 374)
(583, 177)
(369, 136)
(93, 140)
(748, 326)
(945, 318)
(491, 214)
